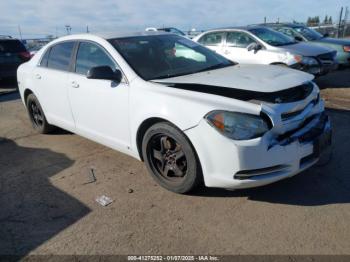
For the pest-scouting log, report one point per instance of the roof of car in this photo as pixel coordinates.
(283, 24)
(111, 35)
(247, 27)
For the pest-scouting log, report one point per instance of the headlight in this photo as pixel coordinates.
(346, 48)
(309, 61)
(238, 126)
(306, 60)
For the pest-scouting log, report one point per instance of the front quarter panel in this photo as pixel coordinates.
(185, 109)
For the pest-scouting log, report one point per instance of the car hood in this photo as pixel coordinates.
(307, 49)
(334, 41)
(257, 78)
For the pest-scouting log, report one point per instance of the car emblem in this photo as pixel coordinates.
(7, 54)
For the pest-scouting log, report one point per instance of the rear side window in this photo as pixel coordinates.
(211, 39)
(45, 58)
(60, 56)
(91, 55)
(239, 39)
(11, 46)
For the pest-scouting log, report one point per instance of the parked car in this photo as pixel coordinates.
(12, 54)
(305, 34)
(190, 119)
(168, 30)
(262, 45)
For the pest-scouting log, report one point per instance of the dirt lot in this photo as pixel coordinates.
(47, 207)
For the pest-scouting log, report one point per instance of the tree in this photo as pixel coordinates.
(330, 21)
(325, 21)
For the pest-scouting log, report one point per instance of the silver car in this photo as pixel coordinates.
(262, 45)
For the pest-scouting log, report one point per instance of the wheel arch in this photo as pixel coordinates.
(146, 124)
(26, 93)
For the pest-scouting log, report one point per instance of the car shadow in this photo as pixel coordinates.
(11, 96)
(32, 209)
(336, 79)
(319, 185)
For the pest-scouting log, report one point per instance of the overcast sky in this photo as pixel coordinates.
(43, 17)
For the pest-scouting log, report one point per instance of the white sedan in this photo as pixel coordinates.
(191, 115)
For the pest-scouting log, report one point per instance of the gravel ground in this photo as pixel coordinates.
(48, 207)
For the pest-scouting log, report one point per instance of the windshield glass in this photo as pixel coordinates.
(272, 37)
(308, 33)
(163, 56)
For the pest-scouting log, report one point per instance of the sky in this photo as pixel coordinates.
(38, 18)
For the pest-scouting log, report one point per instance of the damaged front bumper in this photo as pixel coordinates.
(243, 164)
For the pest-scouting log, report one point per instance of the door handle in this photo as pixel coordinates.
(75, 84)
(226, 52)
(37, 76)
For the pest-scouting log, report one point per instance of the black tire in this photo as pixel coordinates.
(170, 158)
(37, 116)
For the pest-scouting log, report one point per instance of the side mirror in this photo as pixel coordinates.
(298, 38)
(104, 73)
(326, 35)
(254, 46)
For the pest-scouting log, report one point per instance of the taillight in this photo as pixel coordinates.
(346, 48)
(25, 55)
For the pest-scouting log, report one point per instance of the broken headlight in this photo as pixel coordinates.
(238, 126)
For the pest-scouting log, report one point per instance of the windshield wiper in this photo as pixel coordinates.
(217, 66)
(221, 65)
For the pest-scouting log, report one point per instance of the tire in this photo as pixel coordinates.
(170, 158)
(37, 116)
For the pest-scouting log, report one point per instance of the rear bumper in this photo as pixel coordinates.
(243, 164)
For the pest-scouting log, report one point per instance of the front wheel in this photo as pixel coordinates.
(170, 158)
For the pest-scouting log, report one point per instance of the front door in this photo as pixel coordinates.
(100, 107)
(236, 49)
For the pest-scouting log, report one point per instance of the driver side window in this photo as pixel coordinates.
(239, 39)
(91, 55)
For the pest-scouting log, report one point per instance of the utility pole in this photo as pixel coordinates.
(87, 29)
(345, 20)
(265, 20)
(68, 29)
(340, 19)
(20, 32)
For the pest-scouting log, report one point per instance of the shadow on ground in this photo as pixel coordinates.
(9, 97)
(336, 79)
(32, 209)
(322, 185)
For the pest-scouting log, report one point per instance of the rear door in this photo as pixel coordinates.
(50, 78)
(213, 41)
(100, 107)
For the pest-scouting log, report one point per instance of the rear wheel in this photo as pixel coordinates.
(36, 115)
(170, 158)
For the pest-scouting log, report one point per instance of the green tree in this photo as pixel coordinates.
(330, 21)
(325, 21)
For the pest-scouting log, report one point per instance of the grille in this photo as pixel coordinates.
(288, 115)
(327, 58)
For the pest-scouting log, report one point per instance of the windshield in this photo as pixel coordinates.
(163, 56)
(308, 33)
(272, 37)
